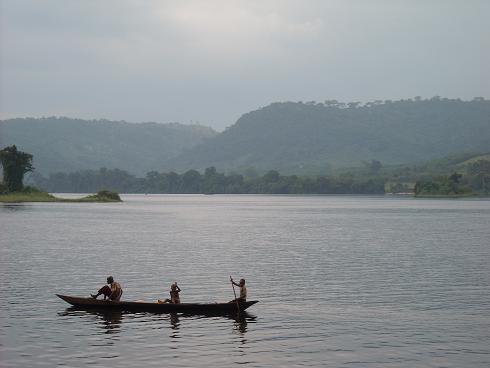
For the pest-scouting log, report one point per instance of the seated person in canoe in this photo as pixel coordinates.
(112, 290)
(243, 289)
(174, 295)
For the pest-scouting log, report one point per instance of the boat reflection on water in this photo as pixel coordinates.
(174, 321)
(174, 325)
(241, 322)
(240, 327)
(112, 320)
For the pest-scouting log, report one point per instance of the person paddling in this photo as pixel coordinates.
(113, 292)
(243, 289)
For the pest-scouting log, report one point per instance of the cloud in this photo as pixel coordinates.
(214, 60)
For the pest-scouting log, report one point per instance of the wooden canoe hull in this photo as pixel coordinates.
(187, 308)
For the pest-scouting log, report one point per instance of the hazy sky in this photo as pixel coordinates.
(212, 61)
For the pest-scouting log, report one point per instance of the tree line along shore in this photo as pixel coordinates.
(463, 175)
(447, 178)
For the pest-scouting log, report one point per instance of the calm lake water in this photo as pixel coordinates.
(343, 281)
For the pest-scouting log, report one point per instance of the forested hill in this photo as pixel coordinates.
(311, 137)
(292, 138)
(63, 144)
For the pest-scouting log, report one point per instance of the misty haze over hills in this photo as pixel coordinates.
(294, 138)
(65, 145)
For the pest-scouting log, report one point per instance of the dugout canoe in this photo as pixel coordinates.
(187, 308)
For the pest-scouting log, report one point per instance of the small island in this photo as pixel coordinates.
(15, 164)
(30, 194)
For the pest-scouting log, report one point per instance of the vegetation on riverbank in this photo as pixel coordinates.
(431, 178)
(472, 178)
(101, 196)
(443, 186)
(452, 176)
(27, 196)
(210, 182)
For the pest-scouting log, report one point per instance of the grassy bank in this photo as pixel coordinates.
(39, 196)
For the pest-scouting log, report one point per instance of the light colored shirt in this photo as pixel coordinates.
(243, 292)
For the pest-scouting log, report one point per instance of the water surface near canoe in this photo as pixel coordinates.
(342, 281)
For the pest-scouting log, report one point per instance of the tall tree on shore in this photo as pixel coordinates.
(15, 164)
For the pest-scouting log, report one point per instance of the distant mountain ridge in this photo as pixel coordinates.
(65, 145)
(301, 138)
(291, 137)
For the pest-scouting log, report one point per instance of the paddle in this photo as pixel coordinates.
(236, 300)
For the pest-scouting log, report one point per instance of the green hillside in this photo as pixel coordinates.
(476, 159)
(63, 144)
(311, 138)
(292, 138)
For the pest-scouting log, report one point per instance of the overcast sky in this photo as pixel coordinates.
(212, 61)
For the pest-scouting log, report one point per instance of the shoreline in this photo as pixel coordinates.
(22, 197)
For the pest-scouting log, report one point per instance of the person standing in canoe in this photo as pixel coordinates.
(113, 292)
(174, 293)
(243, 289)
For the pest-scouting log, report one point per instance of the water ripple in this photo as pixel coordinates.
(342, 281)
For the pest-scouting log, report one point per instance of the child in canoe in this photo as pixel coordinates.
(174, 295)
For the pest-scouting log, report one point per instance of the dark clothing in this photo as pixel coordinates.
(113, 294)
(105, 290)
(174, 296)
